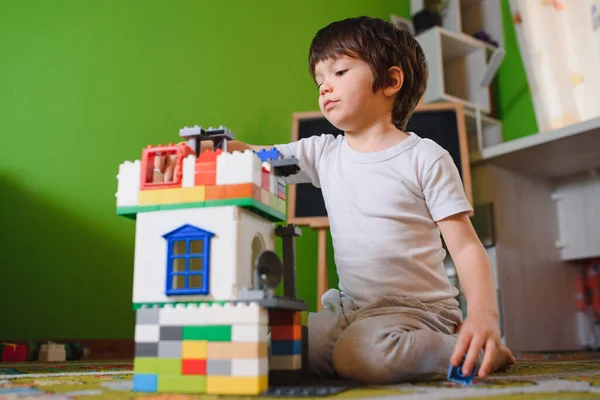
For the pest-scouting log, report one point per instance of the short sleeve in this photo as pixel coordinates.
(308, 152)
(443, 189)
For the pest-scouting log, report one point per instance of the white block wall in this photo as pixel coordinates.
(231, 250)
(251, 225)
(128, 185)
(150, 264)
(214, 314)
(238, 167)
(189, 171)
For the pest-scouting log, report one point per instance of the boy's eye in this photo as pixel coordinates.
(340, 73)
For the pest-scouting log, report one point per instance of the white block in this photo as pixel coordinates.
(249, 367)
(249, 333)
(256, 235)
(189, 171)
(150, 257)
(286, 363)
(213, 314)
(274, 181)
(147, 333)
(238, 167)
(128, 185)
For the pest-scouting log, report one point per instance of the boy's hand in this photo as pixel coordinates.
(479, 331)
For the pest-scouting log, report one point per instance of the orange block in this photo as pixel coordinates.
(286, 332)
(206, 177)
(206, 167)
(221, 192)
(231, 350)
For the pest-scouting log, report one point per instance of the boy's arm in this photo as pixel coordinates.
(233, 145)
(480, 330)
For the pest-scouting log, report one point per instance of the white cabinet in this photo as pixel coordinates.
(578, 207)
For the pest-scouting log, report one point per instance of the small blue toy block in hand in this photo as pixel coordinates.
(455, 374)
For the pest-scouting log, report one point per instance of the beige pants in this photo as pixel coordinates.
(392, 340)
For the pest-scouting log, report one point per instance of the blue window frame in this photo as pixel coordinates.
(188, 260)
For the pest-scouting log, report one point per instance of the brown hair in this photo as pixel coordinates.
(381, 45)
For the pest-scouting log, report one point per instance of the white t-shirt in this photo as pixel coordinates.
(382, 208)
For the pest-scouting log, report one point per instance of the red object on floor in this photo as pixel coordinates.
(13, 352)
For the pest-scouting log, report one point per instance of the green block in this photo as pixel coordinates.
(270, 213)
(145, 365)
(281, 205)
(137, 306)
(169, 366)
(182, 384)
(215, 333)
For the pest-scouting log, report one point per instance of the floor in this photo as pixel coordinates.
(534, 376)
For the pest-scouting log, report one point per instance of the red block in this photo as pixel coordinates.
(266, 180)
(193, 367)
(279, 318)
(13, 353)
(289, 332)
(206, 168)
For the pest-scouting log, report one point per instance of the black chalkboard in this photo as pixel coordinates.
(441, 122)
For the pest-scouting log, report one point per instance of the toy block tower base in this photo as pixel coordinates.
(216, 348)
(205, 271)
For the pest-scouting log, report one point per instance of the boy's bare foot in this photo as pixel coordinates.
(504, 359)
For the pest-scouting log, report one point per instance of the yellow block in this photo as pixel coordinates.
(236, 384)
(172, 196)
(194, 349)
(194, 193)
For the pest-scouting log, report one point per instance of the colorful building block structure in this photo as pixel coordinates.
(205, 270)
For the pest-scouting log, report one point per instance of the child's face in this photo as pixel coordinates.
(346, 96)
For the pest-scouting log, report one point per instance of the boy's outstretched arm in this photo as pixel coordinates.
(233, 145)
(480, 329)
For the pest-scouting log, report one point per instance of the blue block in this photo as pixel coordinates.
(145, 383)
(286, 347)
(268, 154)
(455, 374)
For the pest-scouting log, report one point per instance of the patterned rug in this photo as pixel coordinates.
(534, 376)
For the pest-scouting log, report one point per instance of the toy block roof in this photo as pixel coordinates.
(176, 176)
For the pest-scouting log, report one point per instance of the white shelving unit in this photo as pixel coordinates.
(470, 16)
(457, 66)
(461, 67)
(491, 134)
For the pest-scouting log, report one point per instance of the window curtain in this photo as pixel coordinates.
(559, 41)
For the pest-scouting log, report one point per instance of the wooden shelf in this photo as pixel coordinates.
(555, 154)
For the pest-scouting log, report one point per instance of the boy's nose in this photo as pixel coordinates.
(325, 88)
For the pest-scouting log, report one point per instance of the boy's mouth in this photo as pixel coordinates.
(329, 104)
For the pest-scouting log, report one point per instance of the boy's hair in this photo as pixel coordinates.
(381, 45)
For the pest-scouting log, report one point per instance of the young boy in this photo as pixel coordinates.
(389, 194)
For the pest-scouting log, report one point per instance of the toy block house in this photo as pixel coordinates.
(205, 270)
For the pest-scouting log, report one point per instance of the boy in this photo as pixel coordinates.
(389, 194)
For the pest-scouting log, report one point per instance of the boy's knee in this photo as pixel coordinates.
(386, 357)
(361, 358)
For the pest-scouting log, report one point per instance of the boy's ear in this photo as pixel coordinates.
(394, 81)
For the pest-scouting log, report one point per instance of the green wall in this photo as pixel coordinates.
(85, 86)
